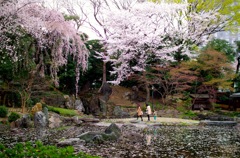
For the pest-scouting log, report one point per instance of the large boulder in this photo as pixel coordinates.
(37, 107)
(24, 122)
(113, 132)
(119, 113)
(55, 121)
(79, 106)
(40, 123)
(69, 101)
(76, 120)
(113, 128)
(91, 105)
(89, 136)
(45, 111)
(106, 91)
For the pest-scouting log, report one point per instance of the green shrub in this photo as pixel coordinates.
(13, 117)
(189, 114)
(39, 150)
(3, 111)
(181, 108)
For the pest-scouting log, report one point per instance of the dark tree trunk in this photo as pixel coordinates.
(238, 64)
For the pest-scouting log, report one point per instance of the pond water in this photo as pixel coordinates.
(175, 142)
(194, 142)
(148, 142)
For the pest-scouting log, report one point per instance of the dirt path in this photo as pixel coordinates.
(145, 123)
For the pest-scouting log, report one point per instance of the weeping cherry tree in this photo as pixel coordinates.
(54, 38)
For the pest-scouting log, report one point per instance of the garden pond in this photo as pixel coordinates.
(148, 142)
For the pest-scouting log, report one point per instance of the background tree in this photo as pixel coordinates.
(18, 77)
(223, 46)
(228, 8)
(215, 72)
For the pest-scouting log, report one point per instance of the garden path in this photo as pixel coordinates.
(145, 123)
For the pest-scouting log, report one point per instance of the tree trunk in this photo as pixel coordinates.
(238, 64)
(104, 79)
(148, 92)
(104, 73)
(23, 106)
(22, 102)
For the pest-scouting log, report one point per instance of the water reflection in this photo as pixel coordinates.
(175, 142)
(195, 142)
(151, 136)
(148, 139)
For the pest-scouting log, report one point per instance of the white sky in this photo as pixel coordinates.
(54, 4)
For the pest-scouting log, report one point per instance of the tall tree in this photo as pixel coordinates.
(92, 14)
(154, 31)
(52, 43)
(237, 79)
(48, 28)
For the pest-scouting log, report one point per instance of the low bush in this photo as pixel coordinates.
(39, 150)
(3, 111)
(13, 117)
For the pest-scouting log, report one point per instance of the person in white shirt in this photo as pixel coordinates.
(149, 111)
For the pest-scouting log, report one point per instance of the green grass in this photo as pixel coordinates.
(62, 111)
(37, 149)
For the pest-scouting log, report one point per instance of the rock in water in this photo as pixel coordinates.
(113, 128)
(113, 132)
